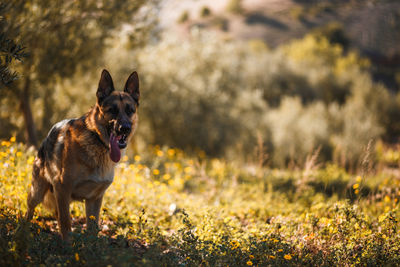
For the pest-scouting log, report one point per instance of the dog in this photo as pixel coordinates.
(76, 160)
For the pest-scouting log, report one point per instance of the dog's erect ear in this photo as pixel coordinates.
(106, 86)
(132, 86)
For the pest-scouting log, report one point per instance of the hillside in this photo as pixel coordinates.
(370, 26)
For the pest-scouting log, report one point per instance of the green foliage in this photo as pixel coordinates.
(166, 208)
(207, 98)
(335, 34)
(9, 49)
(290, 139)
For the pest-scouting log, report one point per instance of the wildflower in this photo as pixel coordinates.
(387, 199)
(287, 257)
(12, 139)
(235, 244)
(250, 263)
(160, 153)
(251, 257)
(125, 158)
(137, 158)
(187, 169)
(356, 186)
(76, 256)
(30, 160)
(280, 250)
(156, 171)
(92, 217)
(5, 143)
(271, 257)
(356, 191)
(171, 152)
(358, 179)
(166, 176)
(19, 154)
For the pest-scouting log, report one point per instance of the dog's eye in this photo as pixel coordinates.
(113, 110)
(129, 110)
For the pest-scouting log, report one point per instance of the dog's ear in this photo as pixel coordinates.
(106, 86)
(132, 86)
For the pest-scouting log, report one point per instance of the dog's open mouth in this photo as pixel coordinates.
(117, 142)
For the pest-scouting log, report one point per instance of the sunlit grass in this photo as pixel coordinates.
(169, 208)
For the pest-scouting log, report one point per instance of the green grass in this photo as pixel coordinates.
(166, 208)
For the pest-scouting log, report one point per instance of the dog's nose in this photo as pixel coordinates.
(125, 128)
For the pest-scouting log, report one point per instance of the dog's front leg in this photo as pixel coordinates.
(63, 198)
(93, 209)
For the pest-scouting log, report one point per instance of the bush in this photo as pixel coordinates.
(203, 103)
(297, 131)
(205, 11)
(235, 7)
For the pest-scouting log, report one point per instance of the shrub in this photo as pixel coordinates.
(205, 11)
(199, 103)
(235, 7)
(297, 131)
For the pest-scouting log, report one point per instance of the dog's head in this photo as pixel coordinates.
(118, 110)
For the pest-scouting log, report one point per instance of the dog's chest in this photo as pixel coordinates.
(93, 185)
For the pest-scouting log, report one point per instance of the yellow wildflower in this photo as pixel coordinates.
(137, 158)
(272, 257)
(12, 139)
(355, 186)
(387, 199)
(156, 171)
(287, 257)
(76, 256)
(171, 152)
(250, 263)
(358, 179)
(30, 160)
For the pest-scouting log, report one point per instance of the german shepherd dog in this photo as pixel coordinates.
(76, 160)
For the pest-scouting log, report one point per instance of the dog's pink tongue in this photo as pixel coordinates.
(115, 152)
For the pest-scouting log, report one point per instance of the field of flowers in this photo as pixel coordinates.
(166, 208)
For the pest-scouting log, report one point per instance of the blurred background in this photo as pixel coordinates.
(264, 81)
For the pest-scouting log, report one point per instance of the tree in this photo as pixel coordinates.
(61, 36)
(9, 51)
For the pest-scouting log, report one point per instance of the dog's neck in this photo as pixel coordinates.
(94, 122)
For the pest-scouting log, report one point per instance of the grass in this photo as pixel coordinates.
(166, 208)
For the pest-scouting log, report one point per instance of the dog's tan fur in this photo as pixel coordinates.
(74, 161)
